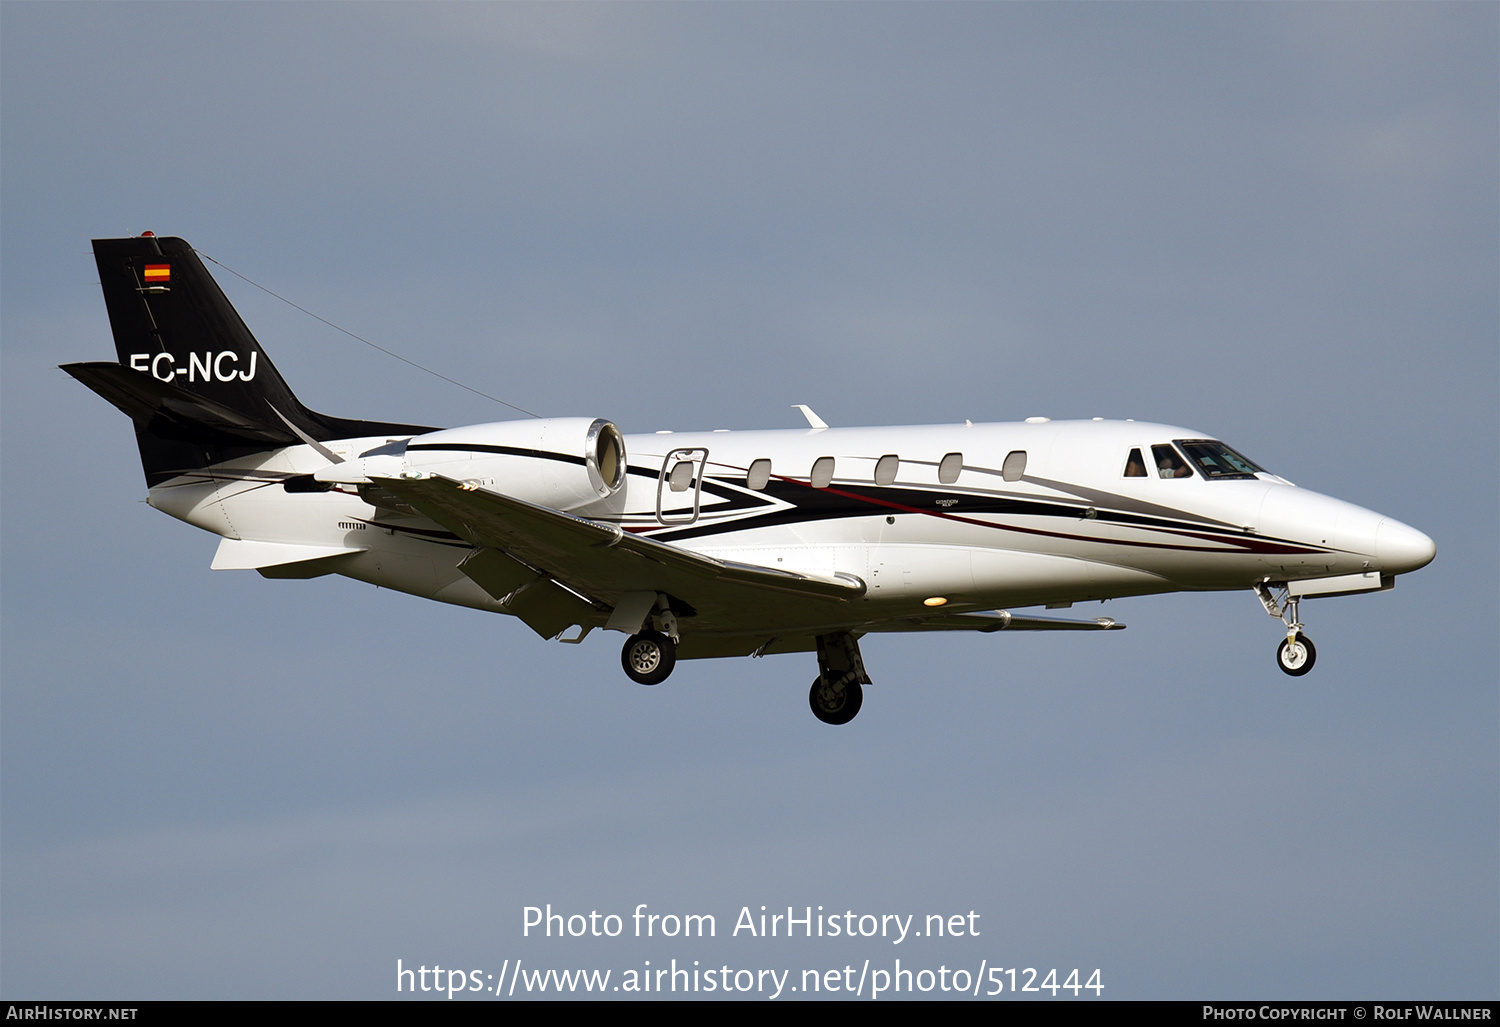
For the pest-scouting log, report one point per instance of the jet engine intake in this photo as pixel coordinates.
(573, 464)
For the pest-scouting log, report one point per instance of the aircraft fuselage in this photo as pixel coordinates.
(1070, 526)
(708, 544)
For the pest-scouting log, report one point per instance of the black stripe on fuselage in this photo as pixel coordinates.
(806, 503)
(848, 500)
(474, 447)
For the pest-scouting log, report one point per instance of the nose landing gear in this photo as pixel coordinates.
(1296, 654)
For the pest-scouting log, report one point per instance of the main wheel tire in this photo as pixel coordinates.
(838, 704)
(648, 657)
(1296, 656)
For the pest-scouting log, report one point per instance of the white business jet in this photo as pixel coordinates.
(699, 545)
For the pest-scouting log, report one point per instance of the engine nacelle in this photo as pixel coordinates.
(566, 463)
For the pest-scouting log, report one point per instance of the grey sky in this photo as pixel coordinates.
(1274, 223)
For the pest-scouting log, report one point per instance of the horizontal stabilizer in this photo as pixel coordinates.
(170, 412)
(246, 555)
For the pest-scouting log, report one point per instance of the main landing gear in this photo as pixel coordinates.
(649, 655)
(648, 658)
(837, 703)
(1296, 654)
(838, 690)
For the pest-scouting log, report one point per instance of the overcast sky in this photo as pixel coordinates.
(1273, 223)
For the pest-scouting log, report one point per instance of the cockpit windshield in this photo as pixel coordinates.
(1169, 464)
(1216, 461)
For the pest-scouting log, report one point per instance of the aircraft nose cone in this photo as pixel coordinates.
(1401, 549)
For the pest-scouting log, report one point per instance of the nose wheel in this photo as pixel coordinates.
(648, 657)
(1296, 655)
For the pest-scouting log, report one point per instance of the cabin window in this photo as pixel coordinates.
(1014, 466)
(1217, 461)
(822, 472)
(949, 469)
(1169, 464)
(758, 475)
(885, 469)
(1135, 465)
(681, 477)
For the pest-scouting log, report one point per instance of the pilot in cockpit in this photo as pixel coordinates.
(1169, 464)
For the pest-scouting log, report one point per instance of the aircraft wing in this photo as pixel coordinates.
(997, 620)
(554, 569)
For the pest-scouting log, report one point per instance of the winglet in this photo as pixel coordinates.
(812, 419)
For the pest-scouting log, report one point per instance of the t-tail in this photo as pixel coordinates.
(190, 375)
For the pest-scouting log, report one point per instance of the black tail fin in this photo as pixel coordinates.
(190, 375)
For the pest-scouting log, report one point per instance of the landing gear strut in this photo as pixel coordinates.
(838, 690)
(648, 657)
(1296, 654)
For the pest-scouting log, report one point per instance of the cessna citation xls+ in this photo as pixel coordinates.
(708, 544)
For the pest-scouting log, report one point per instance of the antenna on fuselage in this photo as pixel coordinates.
(812, 419)
(361, 338)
